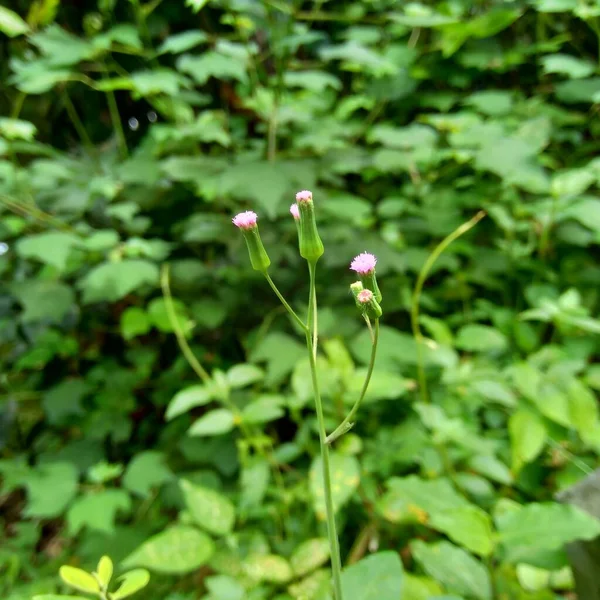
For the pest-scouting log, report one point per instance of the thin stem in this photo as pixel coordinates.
(113, 109)
(18, 105)
(77, 123)
(414, 309)
(172, 315)
(346, 425)
(298, 320)
(311, 341)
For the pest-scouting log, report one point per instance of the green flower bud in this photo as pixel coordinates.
(311, 246)
(259, 258)
(369, 304)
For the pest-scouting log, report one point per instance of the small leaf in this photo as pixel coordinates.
(309, 555)
(147, 470)
(216, 422)
(480, 338)
(264, 409)
(134, 322)
(188, 398)
(268, 567)
(133, 582)
(79, 579)
(527, 436)
(209, 509)
(105, 570)
(179, 549)
(242, 375)
(11, 23)
(376, 577)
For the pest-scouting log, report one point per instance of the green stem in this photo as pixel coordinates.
(113, 109)
(346, 424)
(414, 309)
(311, 344)
(77, 123)
(285, 304)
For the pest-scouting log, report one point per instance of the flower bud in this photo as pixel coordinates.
(364, 265)
(311, 246)
(369, 304)
(247, 223)
(356, 288)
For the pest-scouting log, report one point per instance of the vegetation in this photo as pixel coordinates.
(156, 403)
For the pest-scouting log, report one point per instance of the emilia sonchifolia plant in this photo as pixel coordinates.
(367, 298)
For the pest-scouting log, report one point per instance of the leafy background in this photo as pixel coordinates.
(133, 131)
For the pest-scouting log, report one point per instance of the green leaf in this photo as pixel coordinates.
(52, 248)
(196, 5)
(264, 409)
(105, 570)
(527, 437)
(50, 488)
(43, 300)
(180, 42)
(480, 338)
(188, 398)
(112, 281)
(16, 129)
(79, 579)
(309, 555)
(541, 527)
(268, 567)
(98, 510)
(59, 597)
(209, 509)
(134, 322)
(565, 64)
(242, 375)
(146, 471)
(578, 91)
(468, 526)
(212, 64)
(177, 550)
(454, 568)
(11, 23)
(376, 577)
(157, 311)
(132, 582)
(345, 477)
(215, 422)
(64, 400)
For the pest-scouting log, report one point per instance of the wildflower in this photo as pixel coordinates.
(365, 296)
(364, 265)
(246, 222)
(295, 212)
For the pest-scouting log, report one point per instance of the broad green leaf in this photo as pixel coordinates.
(268, 567)
(177, 550)
(158, 314)
(264, 409)
(147, 470)
(11, 23)
(468, 526)
(17, 129)
(316, 81)
(480, 338)
(309, 555)
(98, 510)
(572, 182)
(196, 5)
(109, 282)
(132, 582)
(64, 400)
(212, 64)
(376, 577)
(180, 42)
(134, 322)
(215, 422)
(52, 248)
(50, 488)
(209, 509)
(313, 586)
(538, 527)
(62, 48)
(565, 64)
(104, 570)
(345, 477)
(43, 300)
(457, 570)
(223, 587)
(79, 579)
(242, 375)
(527, 437)
(578, 91)
(188, 398)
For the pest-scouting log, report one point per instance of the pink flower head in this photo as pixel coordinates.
(245, 220)
(364, 263)
(365, 296)
(295, 211)
(304, 196)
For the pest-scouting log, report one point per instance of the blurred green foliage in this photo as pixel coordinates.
(133, 131)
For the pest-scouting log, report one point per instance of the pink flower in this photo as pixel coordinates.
(365, 296)
(364, 263)
(295, 212)
(304, 196)
(245, 220)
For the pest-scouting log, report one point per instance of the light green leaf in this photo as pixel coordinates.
(345, 477)
(11, 23)
(64, 400)
(134, 322)
(16, 129)
(454, 568)
(268, 567)
(98, 510)
(132, 582)
(578, 91)
(196, 5)
(212, 64)
(312, 587)
(180, 42)
(468, 526)
(215, 422)
(112, 281)
(242, 375)
(50, 488)
(209, 509)
(105, 570)
(565, 64)
(376, 577)
(309, 555)
(480, 338)
(59, 597)
(542, 527)
(264, 409)
(177, 550)
(157, 311)
(188, 398)
(527, 436)
(43, 300)
(147, 470)
(79, 579)
(52, 248)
